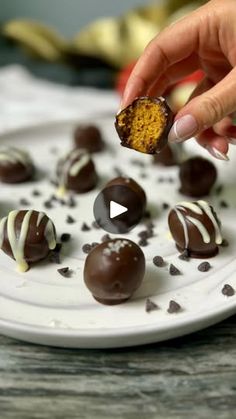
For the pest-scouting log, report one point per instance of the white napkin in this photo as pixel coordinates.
(26, 100)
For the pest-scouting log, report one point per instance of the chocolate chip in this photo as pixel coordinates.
(54, 255)
(24, 202)
(85, 227)
(219, 189)
(224, 243)
(143, 175)
(71, 202)
(61, 201)
(117, 171)
(170, 180)
(174, 307)
(158, 261)
(54, 182)
(65, 237)
(35, 192)
(94, 244)
(149, 224)
(165, 206)
(105, 238)
(144, 234)
(184, 256)
(228, 290)
(173, 270)
(48, 204)
(138, 163)
(95, 225)
(87, 248)
(150, 306)
(224, 204)
(160, 180)
(204, 267)
(143, 242)
(66, 272)
(70, 220)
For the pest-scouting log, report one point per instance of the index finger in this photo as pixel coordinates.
(172, 45)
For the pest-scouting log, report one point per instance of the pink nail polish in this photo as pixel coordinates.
(183, 129)
(216, 153)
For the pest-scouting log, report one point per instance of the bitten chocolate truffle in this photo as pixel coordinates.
(88, 137)
(76, 172)
(114, 270)
(197, 176)
(27, 237)
(145, 124)
(196, 228)
(15, 165)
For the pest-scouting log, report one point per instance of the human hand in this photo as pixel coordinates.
(205, 39)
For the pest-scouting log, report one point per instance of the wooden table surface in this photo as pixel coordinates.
(190, 377)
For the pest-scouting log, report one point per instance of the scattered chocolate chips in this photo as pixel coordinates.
(174, 307)
(228, 290)
(95, 225)
(65, 237)
(204, 267)
(66, 272)
(165, 206)
(138, 163)
(143, 242)
(224, 243)
(224, 204)
(70, 220)
(105, 238)
(117, 171)
(160, 180)
(87, 248)
(184, 256)
(170, 180)
(150, 306)
(48, 204)
(158, 261)
(173, 270)
(94, 244)
(85, 227)
(24, 202)
(54, 182)
(35, 192)
(147, 214)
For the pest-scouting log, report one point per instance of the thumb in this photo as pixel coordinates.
(205, 110)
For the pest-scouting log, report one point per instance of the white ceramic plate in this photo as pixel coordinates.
(43, 307)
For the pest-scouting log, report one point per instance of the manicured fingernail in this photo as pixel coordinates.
(232, 140)
(216, 153)
(183, 129)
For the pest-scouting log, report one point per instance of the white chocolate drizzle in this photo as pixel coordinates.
(198, 207)
(14, 155)
(17, 239)
(68, 168)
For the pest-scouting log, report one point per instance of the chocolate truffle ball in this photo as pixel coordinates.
(166, 157)
(197, 176)
(196, 228)
(114, 270)
(15, 165)
(129, 194)
(76, 172)
(27, 237)
(145, 124)
(88, 137)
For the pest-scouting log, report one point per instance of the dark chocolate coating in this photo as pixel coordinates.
(88, 137)
(113, 276)
(86, 178)
(196, 246)
(197, 176)
(36, 245)
(15, 171)
(135, 202)
(166, 157)
(161, 141)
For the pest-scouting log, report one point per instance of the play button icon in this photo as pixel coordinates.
(117, 209)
